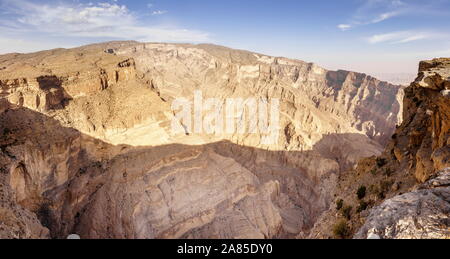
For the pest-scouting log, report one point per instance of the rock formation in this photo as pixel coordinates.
(421, 214)
(87, 147)
(417, 153)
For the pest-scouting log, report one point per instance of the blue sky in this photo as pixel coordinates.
(372, 36)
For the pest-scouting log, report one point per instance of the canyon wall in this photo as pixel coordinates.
(87, 146)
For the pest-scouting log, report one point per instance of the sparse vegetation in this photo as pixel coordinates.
(362, 206)
(386, 185)
(381, 162)
(373, 189)
(382, 188)
(339, 204)
(388, 172)
(6, 131)
(347, 212)
(361, 193)
(341, 230)
(82, 171)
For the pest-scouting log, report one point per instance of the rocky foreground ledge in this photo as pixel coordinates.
(421, 214)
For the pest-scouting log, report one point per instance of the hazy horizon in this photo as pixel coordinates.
(376, 37)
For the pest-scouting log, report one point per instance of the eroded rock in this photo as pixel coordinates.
(421, 214)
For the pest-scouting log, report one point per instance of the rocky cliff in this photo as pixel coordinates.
(404, 192)
(87, 147)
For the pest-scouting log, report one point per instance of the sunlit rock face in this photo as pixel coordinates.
(407, 185)
(87, 145)
(422, 139)
(422, 142)
(314, 101)
(421, 214)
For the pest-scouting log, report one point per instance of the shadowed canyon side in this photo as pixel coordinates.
(77, 184)
(87, 147)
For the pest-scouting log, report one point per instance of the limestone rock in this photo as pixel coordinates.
(425, 130)
(421, 214)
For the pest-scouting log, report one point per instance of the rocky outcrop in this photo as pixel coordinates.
(423, 139)
(17, 222)
(421, 145)
(48, 80)
(421, 214)
(418, 150)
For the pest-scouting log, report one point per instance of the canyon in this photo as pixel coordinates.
(87, 148)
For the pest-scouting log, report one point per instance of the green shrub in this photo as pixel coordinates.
(362, 206)
(386, 185)
(383, 187)
(341, 230)
(361, 193)
(381, 162)
(339, 204)
(6, 131)
(347, 212)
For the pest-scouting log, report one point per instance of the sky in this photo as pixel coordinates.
(370, 36)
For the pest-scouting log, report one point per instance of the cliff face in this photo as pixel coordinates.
(314, 101)
(406, 187)
(87, 147)
(423, 140)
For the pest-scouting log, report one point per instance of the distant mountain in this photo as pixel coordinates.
(397, 78)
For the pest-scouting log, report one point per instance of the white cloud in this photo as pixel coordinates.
(159, 12)
(344, 27)
(401, 37)
(100, 20)
(9, 45)
(375, 11)
(384, 16)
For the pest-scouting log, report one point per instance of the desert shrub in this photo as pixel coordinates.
(6, 131)
(381, 162)
(341, 230)
(82, 171)
(97, 164)
(383, 187)
(347, 212)
(373, 171)
(388, 172)
(362, 206)
(386, 185)
(361, 193)
(339, 204)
